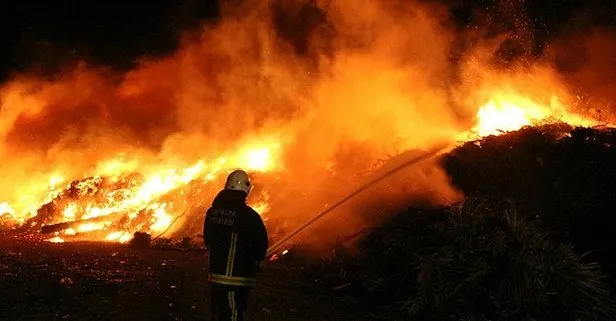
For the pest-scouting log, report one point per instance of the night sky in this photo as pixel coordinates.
(104, 32)
(48, 34)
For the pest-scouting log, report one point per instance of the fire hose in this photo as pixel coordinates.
(428, 154)
(273, 249)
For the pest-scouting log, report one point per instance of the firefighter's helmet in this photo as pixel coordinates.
(238, 180)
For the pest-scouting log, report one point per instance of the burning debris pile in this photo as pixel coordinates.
(114, 207)
(105, 208)
(237, 94)
(248, 92)
(537, 198)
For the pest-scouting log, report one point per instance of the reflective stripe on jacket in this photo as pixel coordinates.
(236, 239)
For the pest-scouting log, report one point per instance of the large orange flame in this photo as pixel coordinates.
(112, 154)
(141, 200)
(510, 111)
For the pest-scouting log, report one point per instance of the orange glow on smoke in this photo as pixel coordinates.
(111, 154)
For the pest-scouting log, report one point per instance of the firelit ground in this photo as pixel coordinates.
(93, 281)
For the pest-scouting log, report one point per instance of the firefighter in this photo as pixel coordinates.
(236, 239)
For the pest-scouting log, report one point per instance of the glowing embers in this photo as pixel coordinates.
(113, 208)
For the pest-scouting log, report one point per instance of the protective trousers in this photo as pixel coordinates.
(229, 303)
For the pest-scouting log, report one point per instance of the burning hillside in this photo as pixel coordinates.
(93, 155)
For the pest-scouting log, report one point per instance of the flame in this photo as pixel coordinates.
(140, 200)
(56, 239)
(258, 159)
(504, 111)
(119, 236)
(55, 180)
(5, 209)
(261, 207)
(143, 197)
(512, 111)
(106, 156)
(137, 199)
(7, 215)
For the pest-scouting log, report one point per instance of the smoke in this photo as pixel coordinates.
(341, 85)
(586, 62)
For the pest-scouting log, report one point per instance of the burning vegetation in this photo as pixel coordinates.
(537, 198)
(315, 98)
(91, 154)
(113, 207)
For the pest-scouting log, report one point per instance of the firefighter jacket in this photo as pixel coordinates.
(236, 239)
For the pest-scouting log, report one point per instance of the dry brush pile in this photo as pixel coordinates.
(517, 249)
(563, 177)
(480, 261)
